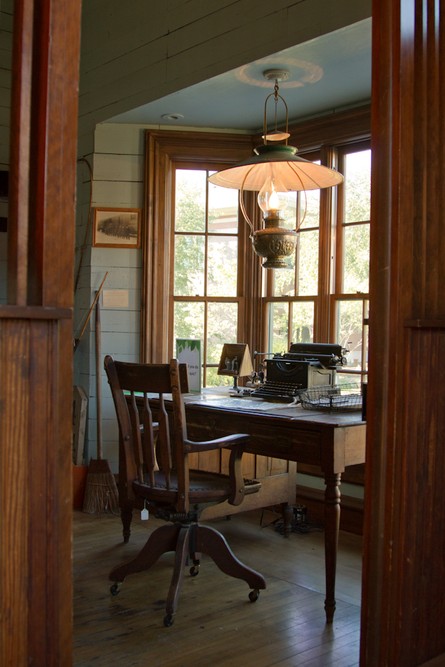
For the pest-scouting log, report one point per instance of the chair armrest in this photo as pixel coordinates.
(219, 443)
(235, 443)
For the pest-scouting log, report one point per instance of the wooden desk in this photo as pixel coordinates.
(332, 441)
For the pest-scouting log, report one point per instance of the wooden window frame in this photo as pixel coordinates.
(166, 150)
(205, 298)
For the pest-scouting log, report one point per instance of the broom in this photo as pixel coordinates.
(101, 491)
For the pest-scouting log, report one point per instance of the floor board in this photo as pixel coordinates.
(215, 624)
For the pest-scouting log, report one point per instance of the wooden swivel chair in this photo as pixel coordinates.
(158, 475)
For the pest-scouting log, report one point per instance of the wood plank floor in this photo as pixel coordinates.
(215, 624)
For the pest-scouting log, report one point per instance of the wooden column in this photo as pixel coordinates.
(36, 340)
(403, 609)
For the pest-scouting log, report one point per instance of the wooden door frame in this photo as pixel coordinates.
(403, 619)
(36, 349)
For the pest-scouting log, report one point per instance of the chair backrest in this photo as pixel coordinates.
(149, 452)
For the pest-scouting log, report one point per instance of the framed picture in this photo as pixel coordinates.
(117, 228)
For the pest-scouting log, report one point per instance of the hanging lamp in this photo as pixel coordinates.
(272, 170)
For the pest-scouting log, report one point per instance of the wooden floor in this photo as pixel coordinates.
(215, 625)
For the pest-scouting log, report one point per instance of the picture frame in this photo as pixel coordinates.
(117, 227)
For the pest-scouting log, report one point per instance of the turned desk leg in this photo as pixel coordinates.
(288, 515)
(332, 526)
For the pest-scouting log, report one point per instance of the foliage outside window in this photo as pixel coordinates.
(351, 294)
(205, 298)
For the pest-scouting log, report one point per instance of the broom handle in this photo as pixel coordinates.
(98, 381)
(87, 319)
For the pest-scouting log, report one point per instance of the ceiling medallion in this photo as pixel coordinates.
(303, 72)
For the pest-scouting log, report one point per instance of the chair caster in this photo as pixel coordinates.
(115, 588)
(254, 595)
(194, 570)
(168, 620)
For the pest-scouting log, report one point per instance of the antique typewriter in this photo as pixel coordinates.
(305, 365)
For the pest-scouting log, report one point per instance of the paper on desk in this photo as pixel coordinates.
(247, 404)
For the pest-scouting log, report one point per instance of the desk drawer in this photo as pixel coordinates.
(285, 442)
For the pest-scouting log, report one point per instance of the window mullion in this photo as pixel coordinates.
(322, 313)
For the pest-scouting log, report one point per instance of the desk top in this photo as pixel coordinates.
(219, 399)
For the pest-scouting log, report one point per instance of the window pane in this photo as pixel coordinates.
(222, 323)
(190, 200)
(289, 210)
(302, 322)
(189, 320)
(222, 327)
(215, 380)
(278, 322)
(309, 203)
(358, 186)
(223, 210)
(307, 268)
(350, 331)
(222, 266)
(351, 379)
(284, 282)
(189, 266)
(356, 259)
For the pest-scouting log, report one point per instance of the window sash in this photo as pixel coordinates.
(327, 295)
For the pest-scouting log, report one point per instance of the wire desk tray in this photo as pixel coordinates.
(332, 398)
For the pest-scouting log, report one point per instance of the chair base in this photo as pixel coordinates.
(188, 541)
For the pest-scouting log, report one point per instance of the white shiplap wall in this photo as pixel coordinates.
(118, 167)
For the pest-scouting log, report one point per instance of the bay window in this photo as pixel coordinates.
(202, 278)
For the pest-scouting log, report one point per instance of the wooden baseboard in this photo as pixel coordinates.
(351, 517)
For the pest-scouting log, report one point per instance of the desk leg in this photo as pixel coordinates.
(332, 525)
(288, 515)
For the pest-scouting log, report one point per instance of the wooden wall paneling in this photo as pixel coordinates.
(15, 511)
(314, 134)
(36, 341)
(403, 582)
(6, 15)
(20, 147)
(420, 551)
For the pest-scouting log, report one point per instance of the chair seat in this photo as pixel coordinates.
(205, 487)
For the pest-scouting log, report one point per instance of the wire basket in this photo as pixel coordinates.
(332, 397)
